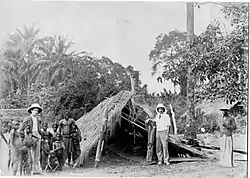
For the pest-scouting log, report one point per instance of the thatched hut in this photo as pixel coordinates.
(124, 118)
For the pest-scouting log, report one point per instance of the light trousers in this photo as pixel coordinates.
(162, 145)
(35, 153)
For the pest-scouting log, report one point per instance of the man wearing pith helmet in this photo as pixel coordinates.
(163, 124)
(35, 124)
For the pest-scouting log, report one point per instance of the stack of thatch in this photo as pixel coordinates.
(9, 114)
(91, 123)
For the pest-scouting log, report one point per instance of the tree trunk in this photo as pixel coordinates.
(190, 132)
(183, 84)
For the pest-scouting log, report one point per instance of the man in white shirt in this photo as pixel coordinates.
(34, 123)
(163, 124)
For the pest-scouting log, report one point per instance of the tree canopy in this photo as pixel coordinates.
(219, 60)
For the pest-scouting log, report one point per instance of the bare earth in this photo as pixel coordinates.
(116, 166)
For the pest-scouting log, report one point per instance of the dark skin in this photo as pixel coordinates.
(54, 127)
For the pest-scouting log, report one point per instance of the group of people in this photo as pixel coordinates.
(33, 149)
(164, 123)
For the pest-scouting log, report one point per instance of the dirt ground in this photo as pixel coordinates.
(116, 166)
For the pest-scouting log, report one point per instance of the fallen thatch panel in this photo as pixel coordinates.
(91, 123)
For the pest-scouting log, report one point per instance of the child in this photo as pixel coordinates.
(15, 144)
(76, 139)
(46, 145)
(54, 130)
(25, 160)
(58, 149)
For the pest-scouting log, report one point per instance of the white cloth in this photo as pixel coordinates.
(35, 125)
(162, 120)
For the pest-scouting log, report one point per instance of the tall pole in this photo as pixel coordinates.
(190, 132)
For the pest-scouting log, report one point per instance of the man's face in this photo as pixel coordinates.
(28, 130)
(34, 111)
(45, 127)
(16, 126)
(22, 135)
(57, 137)
(161, 110)
(54, 127)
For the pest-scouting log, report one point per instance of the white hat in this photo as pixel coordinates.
(35, 105)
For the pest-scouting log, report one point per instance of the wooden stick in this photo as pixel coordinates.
(218, 148)
(133, 123)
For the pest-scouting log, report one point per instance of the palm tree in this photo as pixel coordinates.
(19, 52)
(57, 64)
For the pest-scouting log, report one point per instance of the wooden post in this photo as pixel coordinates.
(190, 131)
(173, 117)
(100, 145)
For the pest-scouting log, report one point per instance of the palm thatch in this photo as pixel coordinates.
(91, 123)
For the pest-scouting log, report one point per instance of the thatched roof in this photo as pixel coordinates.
(9, 114)
(91, 123)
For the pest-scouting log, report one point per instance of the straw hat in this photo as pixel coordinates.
(33, 106)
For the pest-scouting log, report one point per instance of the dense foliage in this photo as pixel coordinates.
(219, 60)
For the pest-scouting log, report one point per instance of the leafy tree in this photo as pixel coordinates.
(167, 53)
(218, 60)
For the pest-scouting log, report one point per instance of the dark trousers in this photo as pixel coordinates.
(151, 128)
(67, 150)
(76, 151)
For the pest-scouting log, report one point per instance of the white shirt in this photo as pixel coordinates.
(162, 121)
(35, 128)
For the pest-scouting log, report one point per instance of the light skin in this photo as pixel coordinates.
(161, 110)
(34, 111)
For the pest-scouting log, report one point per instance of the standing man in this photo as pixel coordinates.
(76, 139)
(163, 124)
(34, 122)
(65, 126)
(227, 126)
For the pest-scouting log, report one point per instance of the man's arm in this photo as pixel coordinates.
(24, 124)
(3, 137)
(60, 125)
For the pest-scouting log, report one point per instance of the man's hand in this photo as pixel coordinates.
(147, 121)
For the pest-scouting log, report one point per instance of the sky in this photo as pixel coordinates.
(121, 30)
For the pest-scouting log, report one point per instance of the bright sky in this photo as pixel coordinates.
(123, 31)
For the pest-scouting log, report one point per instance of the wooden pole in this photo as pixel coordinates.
(100, 145)
(173, 117)
(190, 132)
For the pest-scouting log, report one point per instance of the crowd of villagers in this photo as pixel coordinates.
(34, 149)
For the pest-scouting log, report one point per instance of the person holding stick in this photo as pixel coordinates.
(163, 124)
(227, 126)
